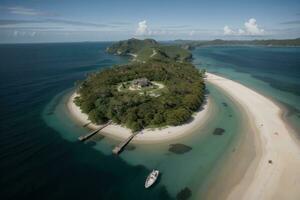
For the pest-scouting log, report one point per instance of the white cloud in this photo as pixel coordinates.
(143, 28)
(15, 33)
(32, 34)
(241, 32)
(228, 30)
(251, 28)
(23, 11)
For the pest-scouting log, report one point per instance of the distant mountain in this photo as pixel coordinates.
(131, 46)
(190, 44)
(149, 49)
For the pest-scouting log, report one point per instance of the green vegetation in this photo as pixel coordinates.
(172, 87)
(149, 49)
(130, 46)
(190, 44)
(101, 100)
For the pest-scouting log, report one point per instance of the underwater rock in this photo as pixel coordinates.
(179, 148)
(184, 194)
(225, 104)
(218, 131)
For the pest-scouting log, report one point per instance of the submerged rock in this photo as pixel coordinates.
(179, 148)
(218, 131)
(184, 194)
(225, 104)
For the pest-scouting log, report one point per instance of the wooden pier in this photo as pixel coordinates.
(118, 149)
(87, 136)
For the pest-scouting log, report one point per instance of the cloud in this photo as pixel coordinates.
(142, 28)
(32, 34)
(17, 33)
(251, 28)
(228, 30)
(241, 31)
(15, 21)
(59, 21)
(19, 10)
(52, 24)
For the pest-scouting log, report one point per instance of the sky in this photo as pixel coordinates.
(29, 21)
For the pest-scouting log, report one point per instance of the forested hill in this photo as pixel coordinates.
(133, 46)
(149, 49)
(160, 87)
(190, 44)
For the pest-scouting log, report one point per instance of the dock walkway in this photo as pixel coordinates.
(87, 136)
(118, 149)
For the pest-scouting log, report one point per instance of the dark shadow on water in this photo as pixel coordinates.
(218, 131)
(291, 110)
(97, 138)
(184, 194)
(179, 148)
(224, 104)
(130, 147)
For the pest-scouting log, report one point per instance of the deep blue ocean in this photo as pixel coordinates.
(36, 162)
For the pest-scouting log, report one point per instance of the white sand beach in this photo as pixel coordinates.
(148, 135)
(275, 171)
(273, 174)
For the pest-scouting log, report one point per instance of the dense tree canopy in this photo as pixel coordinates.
(184, 93)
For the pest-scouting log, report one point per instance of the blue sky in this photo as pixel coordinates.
(67, 21)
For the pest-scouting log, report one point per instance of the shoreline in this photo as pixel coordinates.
(274, 142)
(156, 135)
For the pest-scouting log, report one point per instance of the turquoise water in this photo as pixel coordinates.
(273, 71)
(191, 169)
(40, 157)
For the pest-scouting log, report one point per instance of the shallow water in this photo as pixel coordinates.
(40, 157)
(272, 71)
(190, 169)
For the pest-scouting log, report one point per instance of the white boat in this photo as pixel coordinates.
(151, 178)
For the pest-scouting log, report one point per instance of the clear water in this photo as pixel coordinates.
(40, 157)
(273, 71)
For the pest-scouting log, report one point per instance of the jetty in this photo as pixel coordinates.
(87, 136)
(118, 149)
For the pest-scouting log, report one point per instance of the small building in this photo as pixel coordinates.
(141, 82)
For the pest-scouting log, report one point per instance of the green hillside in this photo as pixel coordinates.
(149, 49)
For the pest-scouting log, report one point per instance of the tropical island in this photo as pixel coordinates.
(158, 88)
(157, 94)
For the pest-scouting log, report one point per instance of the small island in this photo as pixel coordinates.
(157, 92)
